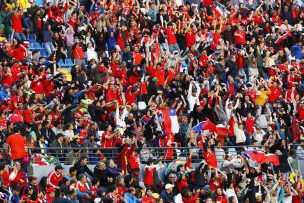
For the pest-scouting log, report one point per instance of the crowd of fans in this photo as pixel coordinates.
(123, 85)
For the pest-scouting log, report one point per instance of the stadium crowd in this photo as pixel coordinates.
(149, 92)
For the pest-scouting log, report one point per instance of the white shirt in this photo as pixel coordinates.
(193, 99)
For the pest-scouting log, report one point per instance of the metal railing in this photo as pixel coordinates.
(69, 155)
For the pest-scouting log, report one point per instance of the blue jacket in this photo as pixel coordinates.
(297, 50)
(130, 198)
(167, 198)
(3, 94)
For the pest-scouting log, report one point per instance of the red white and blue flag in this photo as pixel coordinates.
(170, 122)
(218, 12)
(145, 119)
(261, 157)
(211, 127)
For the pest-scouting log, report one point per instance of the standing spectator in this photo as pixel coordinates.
(16, 146)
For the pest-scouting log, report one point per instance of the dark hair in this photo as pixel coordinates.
(72, 169)
(185, 192)
(82, 158)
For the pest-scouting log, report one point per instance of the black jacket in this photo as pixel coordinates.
(82, 169)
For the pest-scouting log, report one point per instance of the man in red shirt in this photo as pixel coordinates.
(240, 37)
(17, 176)
(108, 138)
(172, 43)
(16, 145)
(55, 177)
(17, 25)
(276, 90)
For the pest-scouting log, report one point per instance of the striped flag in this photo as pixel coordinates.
(218, 12)
(261, 157)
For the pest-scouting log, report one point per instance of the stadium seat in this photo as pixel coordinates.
(37, 46)
(31, 47)
(69, 63)
(43, 46)
(61, 64)
(31, 38)
(44, 53)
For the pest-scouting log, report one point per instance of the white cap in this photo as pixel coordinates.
(168, 186)
(258, 194)
(97, 200)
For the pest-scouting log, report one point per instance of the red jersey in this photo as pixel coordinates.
(107, 142)
(240, 39)
(54, 179)
(171, 36)
(148, 199)
(276, 92)
(149, 176)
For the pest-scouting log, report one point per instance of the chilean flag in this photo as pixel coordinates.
(261, 157)
(205, 125)
(222, 130)
(170, 121)
(218, 12)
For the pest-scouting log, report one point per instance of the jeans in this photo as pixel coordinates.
(243, 75)
(49, 47)
(173, 47)
(19, 36)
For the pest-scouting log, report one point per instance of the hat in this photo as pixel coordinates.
(50, 190)
(155, 80)
(97, 200)
(58, 167)
(206, 187)
(48, 76)
(168, 186)
(258, 194)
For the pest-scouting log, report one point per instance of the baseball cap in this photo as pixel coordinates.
(168, 186)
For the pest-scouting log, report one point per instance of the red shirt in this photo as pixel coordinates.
(17, 144)
(78, 52)
(148, 199)
(160, 75)
(106, 143)
(27, 116)
(240, 40)
(276, 92)
(111, 94)
(54, 179)
(251, 94)
(149, 176)
(19, 178)
(17, 22)
(258, 19)
(190, 39)
(131, 96)
(19, 52)
(207, 2)
(249, 124)
(171, 36)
